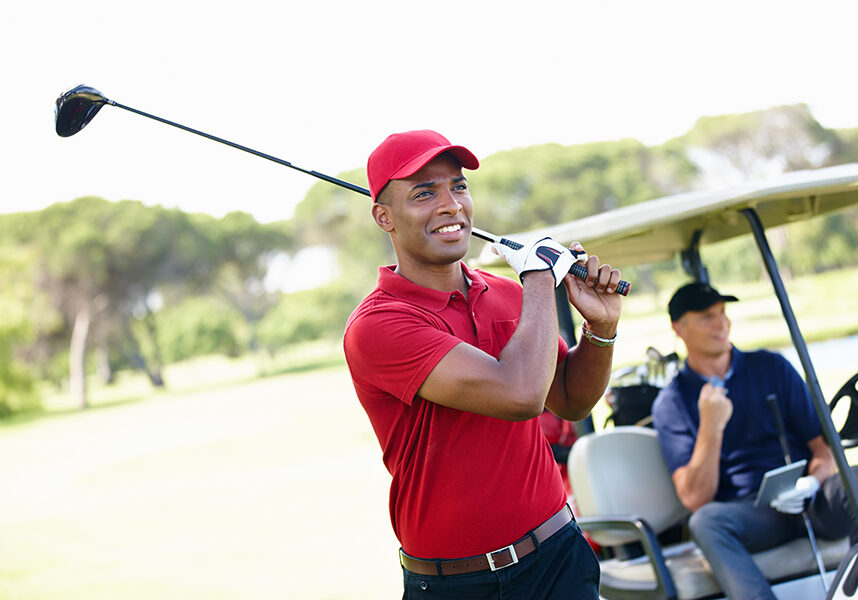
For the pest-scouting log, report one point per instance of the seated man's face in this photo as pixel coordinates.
(705, 331)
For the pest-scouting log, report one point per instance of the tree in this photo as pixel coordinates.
(734, 148)
(246, 251)
(543, 185)
(200, 325)
(308, 315)
(337, 218)
(730, 149)
(106, 265)
(17, 384)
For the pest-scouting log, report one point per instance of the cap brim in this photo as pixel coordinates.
(676, 312)
(462, 154)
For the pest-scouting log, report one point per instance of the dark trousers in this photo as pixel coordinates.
(562, 568)
(830, 512)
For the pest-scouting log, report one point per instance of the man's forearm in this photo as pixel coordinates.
(586, 373)
(822, 464)
(697, 482)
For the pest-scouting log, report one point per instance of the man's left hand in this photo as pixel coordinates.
(596, 298)
(795, 500)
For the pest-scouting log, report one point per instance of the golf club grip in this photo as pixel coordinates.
(580, 271)
(577, 270)
(772, 402)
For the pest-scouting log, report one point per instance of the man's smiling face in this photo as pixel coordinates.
(428, 214)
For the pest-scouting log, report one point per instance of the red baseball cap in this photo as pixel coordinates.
(403, 154)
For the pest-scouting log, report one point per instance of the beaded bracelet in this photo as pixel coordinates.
(595, 339)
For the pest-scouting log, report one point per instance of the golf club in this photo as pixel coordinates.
(772, 402)
(77, 107)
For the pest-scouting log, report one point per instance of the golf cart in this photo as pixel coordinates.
(623, 491)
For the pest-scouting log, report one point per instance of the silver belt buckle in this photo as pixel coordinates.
(512, 554)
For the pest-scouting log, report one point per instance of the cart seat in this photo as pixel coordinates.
(624, 495)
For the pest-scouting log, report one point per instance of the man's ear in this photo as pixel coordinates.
(677, 329)
(381, 214)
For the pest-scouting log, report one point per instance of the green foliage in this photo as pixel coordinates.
(760, 143)
(335, 217)
(822, 244)
(162, 285)
(308, 315)
(733, 260)
(17, 385)
(246, 250)
(120, 262)
(119, 250)
(539, 186)
(198, 326)
(19, 317)
(808, 247)
(847, 146)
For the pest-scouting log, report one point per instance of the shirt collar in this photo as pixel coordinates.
(736, 358)
(398, 286)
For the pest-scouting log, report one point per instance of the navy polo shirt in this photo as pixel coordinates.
(750, 446)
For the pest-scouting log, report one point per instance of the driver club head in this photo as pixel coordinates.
(77, 107)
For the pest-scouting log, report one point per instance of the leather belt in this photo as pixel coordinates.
(498, 559)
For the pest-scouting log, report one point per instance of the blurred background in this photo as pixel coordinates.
(176, 420)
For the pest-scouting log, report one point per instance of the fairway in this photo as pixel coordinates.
(271, 489)
(268, 489)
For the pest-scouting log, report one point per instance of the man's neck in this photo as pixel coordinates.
(445, 278)
(708, 366)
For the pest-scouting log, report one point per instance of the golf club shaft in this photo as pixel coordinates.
(95, 97)
(577, 269)
(279, 161)
(772, 401)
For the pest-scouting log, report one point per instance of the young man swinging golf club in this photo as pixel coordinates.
(453, 366)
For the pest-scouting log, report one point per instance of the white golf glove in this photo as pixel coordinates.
(540, 255)
(795, 500)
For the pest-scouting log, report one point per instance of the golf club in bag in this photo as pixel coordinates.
(77, 107)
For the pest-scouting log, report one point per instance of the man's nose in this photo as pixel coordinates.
(449, 204)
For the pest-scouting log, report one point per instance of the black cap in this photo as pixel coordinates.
(694, 296)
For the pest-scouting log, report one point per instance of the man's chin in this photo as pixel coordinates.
(452, 255)
(451, 247)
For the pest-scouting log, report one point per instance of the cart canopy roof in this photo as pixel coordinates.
(657, 229)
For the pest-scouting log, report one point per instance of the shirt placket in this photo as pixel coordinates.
(461, 316)
(482, 330)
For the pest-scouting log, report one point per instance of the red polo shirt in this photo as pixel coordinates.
(463, 484)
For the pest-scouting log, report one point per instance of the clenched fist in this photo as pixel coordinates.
(714, 406)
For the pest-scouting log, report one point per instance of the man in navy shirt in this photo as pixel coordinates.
(719, 437)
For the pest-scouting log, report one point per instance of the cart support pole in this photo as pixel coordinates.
(828, 430)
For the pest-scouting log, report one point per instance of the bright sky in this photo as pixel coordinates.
(321, 83)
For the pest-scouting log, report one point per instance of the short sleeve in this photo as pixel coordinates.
(395, 350)
(674, 434)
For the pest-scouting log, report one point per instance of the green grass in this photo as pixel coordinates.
(229, 485)
(250, 491)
